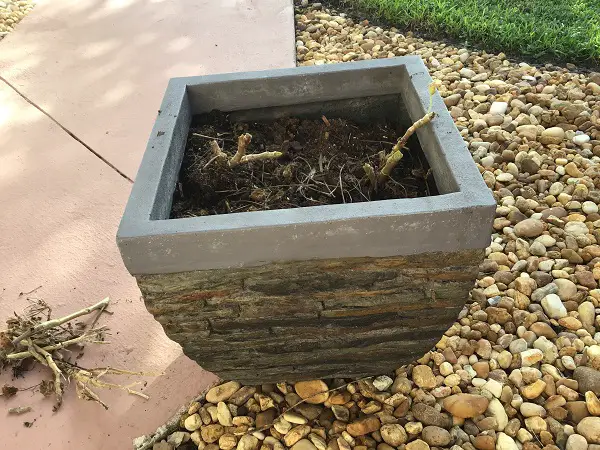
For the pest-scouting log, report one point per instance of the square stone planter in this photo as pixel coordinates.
(338, 290)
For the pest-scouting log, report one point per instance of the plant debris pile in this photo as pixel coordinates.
(34, 337)
(304, 163)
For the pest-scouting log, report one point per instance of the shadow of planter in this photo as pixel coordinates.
(337, 290)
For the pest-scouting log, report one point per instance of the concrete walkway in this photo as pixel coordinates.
(98, 70)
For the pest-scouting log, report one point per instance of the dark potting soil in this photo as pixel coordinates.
(322, 163)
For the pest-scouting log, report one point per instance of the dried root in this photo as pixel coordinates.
(45, 341)
(85, 380)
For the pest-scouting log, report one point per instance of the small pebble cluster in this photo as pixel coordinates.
(11, 13)
(519, 370)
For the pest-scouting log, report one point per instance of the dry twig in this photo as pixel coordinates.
(88, 337)
(49, 361)
(18, 410)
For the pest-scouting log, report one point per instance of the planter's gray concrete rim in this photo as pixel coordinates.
(337, 213)
(458, 219)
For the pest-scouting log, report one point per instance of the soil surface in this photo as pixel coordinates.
(321, 163)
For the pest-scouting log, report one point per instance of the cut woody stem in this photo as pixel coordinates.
(396, 154)
(368, 168)
(243, 142)
(240, 156)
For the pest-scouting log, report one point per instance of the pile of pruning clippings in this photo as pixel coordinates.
(34, 337)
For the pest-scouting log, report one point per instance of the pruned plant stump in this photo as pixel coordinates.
(326, 291)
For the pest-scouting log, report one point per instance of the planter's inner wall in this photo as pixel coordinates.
(376, 108)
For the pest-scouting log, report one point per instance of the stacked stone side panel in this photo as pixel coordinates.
(312, 319)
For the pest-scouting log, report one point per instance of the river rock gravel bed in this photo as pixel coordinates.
(11, 13)
(519, 370)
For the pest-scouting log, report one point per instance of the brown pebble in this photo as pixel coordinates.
(482, 368)
(531, 446)
(363, 426)
(543, 329)
(546, 438)
(402, 409)
(265, 418)
(558, 413)
(513, 427)
(576, 411)
(484, 442)
(489, 423)
(550, 388)
(555, 401)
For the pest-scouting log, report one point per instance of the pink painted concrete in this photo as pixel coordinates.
(60, 211)
(100, 66)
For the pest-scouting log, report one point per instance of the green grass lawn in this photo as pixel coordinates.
(568, 30)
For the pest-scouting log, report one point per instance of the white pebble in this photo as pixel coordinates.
(505, 442)
(568, 362)
(478, 382)
(493, 387)
(589, 207)
(553, 306)
(498, 108)
(505, 177)
(581, 139)
(556, 188)
(382, 382)
(487, 161)
(445, 369)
